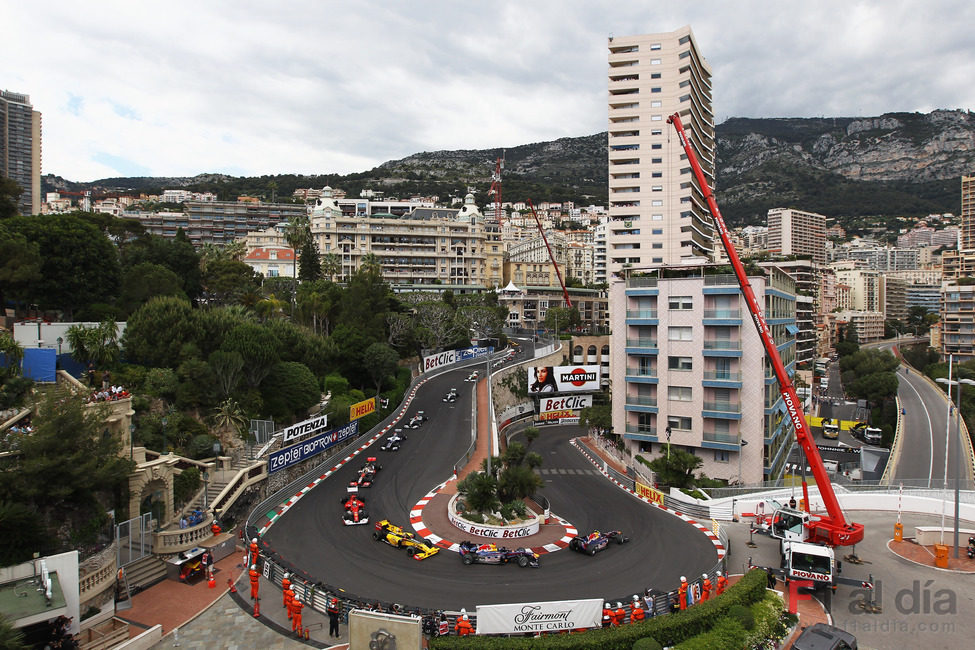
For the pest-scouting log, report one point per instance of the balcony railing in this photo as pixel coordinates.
(637, 400)
(721, 375)
(722, 313)
(718, 344)
(637, 283)
(641, 313)
(645, 429)
(721, 280)
(722, 407)
(641, 343)
(641, 372)
(726, 438)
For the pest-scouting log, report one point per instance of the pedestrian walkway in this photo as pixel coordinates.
(924, 555)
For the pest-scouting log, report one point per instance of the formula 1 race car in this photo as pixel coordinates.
(355, 511)
(416, 420)
(367, 473)
(491, 554)
(451, 395)
(596, 541)
(393, 442)
(472, 376)
(416, 548)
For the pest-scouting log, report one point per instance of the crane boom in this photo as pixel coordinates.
(832, 529)
(565, 292)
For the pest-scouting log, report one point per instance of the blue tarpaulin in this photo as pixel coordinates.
(40, 364)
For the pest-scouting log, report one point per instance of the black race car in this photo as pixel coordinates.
(492, 554)
(596, 541)
(367, 473)
(416, 420)
(451, 396)
(393, 442)
(355, 511)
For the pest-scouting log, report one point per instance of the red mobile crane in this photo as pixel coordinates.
(565, 293)
(831, 529)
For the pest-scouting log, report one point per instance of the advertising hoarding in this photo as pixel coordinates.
(563, 379)
(362, 408)
(311, 425)
(294, 454)
(551, 616)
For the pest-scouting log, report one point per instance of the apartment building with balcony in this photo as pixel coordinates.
(658, 215)
(967, 236)
(958, 321)
(688, 362)
(528, 262)
(528, 306)
(218, 222)
(418, 249)
(795, 232)
(20, 148)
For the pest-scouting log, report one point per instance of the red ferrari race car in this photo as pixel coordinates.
(596, 541)
(366, 474)
(355, 511)
(491, 554)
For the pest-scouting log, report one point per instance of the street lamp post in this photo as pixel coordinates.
(741, 446)
(957, 405)
(668, 442)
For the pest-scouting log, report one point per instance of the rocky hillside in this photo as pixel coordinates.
(898, 164)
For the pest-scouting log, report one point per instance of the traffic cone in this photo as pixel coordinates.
(211, 581)
(257, 607)
(306, 634)
(233, 587)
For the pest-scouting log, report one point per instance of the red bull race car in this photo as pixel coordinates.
(366, 474)
(355, 511)
(471, 552)
(596, 541)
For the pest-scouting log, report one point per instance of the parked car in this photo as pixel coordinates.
(825, 637)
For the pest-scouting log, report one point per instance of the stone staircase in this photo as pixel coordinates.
(220, 479)
(145, 572)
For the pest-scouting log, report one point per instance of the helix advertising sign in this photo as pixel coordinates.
(362, 408)
(649, 493)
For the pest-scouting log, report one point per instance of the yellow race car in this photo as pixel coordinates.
(395, 536)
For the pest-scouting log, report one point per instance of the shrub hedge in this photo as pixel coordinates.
(668, 630)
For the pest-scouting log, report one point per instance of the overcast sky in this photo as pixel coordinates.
(177, 88)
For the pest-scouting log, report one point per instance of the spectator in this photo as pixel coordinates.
(91, 375)
(182, 522)
(106, 380)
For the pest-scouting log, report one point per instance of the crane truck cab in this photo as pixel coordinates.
(804, 561)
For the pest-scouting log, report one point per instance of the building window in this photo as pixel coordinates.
(657, 260)
(656, 118)
(654, 61)
(656, 89)
(680, 333)
(657, 203)
(679, 423)
(657, 231)
(657, 217)
(682, 303)
(680, 363)
(656, 174)
(657, 244)
(655, 46)
(655, 75)
(656, 161)
(720, 456)
(679, 394)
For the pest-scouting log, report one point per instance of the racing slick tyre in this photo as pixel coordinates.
(591, 550)
(619, 538)
(467, 559)
(573, 544)
(376, 536)
(411, 551)
(522, 561)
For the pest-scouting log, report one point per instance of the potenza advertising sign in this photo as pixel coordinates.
(312, 425)
(553, 616)
(304, 450)
(563, 379)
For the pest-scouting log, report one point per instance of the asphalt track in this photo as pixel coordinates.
(311, 535)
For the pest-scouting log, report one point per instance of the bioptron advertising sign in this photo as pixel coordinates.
(304, 450)
(551, 616)
(564, 408)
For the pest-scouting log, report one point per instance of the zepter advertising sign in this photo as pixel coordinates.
(563, 379)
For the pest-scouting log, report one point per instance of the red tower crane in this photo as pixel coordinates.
(832, 528)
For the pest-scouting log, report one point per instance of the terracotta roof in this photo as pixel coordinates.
(264, 254)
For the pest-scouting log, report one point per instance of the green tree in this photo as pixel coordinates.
(518, 482)
(311, 268)
(11, 638)
(289, 389)
(24, 534)
(297, 232)
(155, 333)
(380, 362)
(99, 344)
(598, 418)
(331, 265)
(480, 492)
(20, 266)
(227, 369)
(11, 350)
(145, 281)
(559, 319)
(228, 418)
(678, 470)
(10, 193)
(226, 281)
(79, 265)
(257, 346)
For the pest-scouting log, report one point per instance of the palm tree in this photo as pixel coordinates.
(12, 350)
(296, 233)
(228, 416)
(331, 265)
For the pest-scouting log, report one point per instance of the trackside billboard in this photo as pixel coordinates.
(362, 408)
(563, 408)
(294, 454)
(312, 425)
(563, 379)
(552, 616)
(435, 361)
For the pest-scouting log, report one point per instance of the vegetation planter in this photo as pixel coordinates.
(524, 528)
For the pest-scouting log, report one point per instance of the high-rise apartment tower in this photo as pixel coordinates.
(658, 215)
(20, 148)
